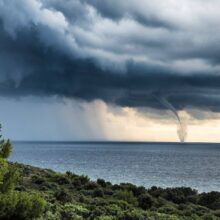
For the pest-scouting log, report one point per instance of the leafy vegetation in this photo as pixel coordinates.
(70, 196)
(28, 192)
(13, 203)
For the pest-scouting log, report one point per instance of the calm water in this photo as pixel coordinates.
(166, 165)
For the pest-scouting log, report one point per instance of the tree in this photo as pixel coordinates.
(8, 175)
(13, 204)
(145, 201)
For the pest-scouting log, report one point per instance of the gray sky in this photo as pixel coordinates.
(142, 60)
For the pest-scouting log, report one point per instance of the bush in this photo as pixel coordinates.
(63, 196)
(62, 180)
(29, 206)
(126, 196)
(145, 201)
(217, 213)
(101, 182)
(114, 210)
(108, 192)
(21, 206)
(177, 195)
(132, 215)
(208, 217)
(98, 211)
(98, 192)
(155, 191)
(169, 209)
(38, 180)
(139, 190)
(80, 181)
(71, 211)
(91, 186)
(5, 148)
(10, 179)
(210, 200)
(105, 217)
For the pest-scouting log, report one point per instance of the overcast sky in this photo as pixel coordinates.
(110, 70)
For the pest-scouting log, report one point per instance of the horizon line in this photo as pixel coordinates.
(113, 141)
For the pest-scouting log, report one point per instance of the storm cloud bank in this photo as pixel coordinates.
(123, 52)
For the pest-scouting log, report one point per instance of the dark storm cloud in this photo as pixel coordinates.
(87, 50)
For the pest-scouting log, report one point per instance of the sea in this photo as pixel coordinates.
(195, 165)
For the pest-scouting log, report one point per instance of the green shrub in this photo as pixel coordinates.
(10, 179)
(62, 180)
(91, 186)
(113, 210)
(29, 206)
(80, 181)
(217, 213)
(108, 192)
(162, 216)
(126, 196)
(63, 196)
(8, 204)
(52, 212)
(5, 147)
(98, 211)
(101, 182)
(210, 200)
(73, 212)
(21, 206)
(169, 209)
(38, 180)
(105, 217)
(209, 217)
(145, 201)
(98, 192)
(132, 215)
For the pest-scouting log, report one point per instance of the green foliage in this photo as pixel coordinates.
(29, 206)
(3, 170)
(8, 176)
(210, 200)
(105, 217)
(133, 215)
(9, 180)
(71, 211)
(20, 205)
(101, 182)
(98, 192)
(70, 196)
(126, 196)
(5, 148)
(14, 204)
(145, 201)
(63, 196)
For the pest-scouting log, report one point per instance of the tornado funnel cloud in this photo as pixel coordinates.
(182, 129)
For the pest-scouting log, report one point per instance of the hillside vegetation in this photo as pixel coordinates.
(69, 196)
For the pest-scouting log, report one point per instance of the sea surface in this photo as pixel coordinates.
(147, 164)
